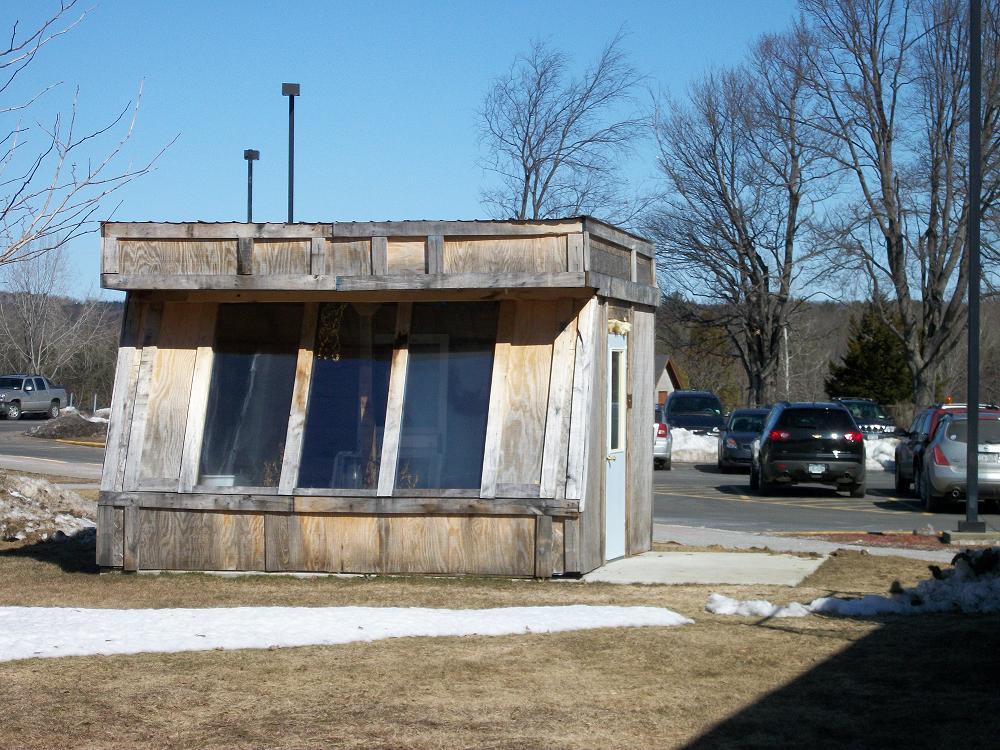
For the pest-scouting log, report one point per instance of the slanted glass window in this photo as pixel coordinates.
(342, 445)
(447, 395)
(253, 371)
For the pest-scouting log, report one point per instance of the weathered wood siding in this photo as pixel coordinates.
(183, 540)
(209, 257)
(513, 255)
(642, 384)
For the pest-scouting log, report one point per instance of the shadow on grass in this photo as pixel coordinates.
(75, 554)
(918, 682)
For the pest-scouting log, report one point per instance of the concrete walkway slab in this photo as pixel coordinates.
(740, 568)
(697, 536)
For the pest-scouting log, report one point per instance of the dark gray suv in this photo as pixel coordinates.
(810, 442)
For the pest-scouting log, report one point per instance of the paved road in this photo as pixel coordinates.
(22, 453)
(698, 495)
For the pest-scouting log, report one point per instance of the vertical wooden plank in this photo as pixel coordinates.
(394, 407)
(586, 252)
(498, 398)
(122, 397)
(554, 450)
(244, 256)
(317, 256)
(543, 547)
(583, 385)
(140, 408)
(571, 545)
(639, 448)
(300, 397)
(380, 256)
(110, 536)
(592, 502)
(130, 548)
(633, 264)
(574, 252)
(276, 542)
(201, 381)
(435, 253)
(109, 255)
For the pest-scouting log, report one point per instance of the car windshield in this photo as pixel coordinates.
(835, 420)
(695, 405)
(11, 384)
(865, 410)
(747, 423)
(989, 430)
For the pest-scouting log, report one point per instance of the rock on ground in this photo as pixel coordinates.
(71, 426)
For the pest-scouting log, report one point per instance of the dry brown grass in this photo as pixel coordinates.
(723, 682)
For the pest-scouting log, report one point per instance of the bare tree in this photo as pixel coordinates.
(54, 179)
(742, 177)
(41, 327)
(893, 78)
(556, 141)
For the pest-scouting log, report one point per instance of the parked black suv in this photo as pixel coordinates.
(815, 442)
(697, 411)
(872, 418)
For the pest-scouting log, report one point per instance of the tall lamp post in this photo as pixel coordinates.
(972, 522)
(251, 155)
(291, 90)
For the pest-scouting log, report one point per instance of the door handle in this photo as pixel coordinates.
(611, 458)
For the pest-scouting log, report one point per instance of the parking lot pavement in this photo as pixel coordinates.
(37, 456)
(698, 495)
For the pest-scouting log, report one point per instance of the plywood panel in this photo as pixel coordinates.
(558, 546)
(642, 383)
(406, 256)
(348, 258)
(610, 260)
(505, 255)
(645, 271)
(272, 258)
(170, 390)
(346, 544)
(187, 540)
(526, 395)
(186, 257)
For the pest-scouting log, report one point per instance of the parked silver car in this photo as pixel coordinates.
(663, 441)
(943, 474)
(30, 394)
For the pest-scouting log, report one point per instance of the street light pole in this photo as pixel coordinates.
(291, 90)
(251, 155)
(972, 522)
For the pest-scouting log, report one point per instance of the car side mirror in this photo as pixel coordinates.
(28, 388)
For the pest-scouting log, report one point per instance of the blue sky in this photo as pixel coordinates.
(385, 126)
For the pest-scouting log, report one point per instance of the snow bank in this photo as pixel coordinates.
(100, 416)
(32, 508)
(687, 446)
(28, 632)
(972, 586)
(880, 454)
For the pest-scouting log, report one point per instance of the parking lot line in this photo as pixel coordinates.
(817, 504)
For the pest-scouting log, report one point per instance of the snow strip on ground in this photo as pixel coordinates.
(880, 454)
(99, 416)
(959, 589)
(28, 632)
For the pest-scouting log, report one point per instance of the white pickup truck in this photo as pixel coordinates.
(29, 394)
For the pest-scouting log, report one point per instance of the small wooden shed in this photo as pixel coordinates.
(461, 397)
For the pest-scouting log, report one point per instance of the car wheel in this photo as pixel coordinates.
(902, 485)
(931, 502)
(666, 465)
(754, 477)
(858, 490)
(53, 412)
(13, 410)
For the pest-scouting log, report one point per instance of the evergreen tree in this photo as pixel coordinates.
(875, 363)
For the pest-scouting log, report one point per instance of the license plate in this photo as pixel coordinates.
(817, 468)
(989, 458)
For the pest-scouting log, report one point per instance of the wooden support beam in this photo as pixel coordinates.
(543, 547)
(394, 408)
(380, 256)
(435, 254)
(583, 386)
(244, 256)
(123, 396)
(498, 398)
(300, 399)
(625, 291)
(130, 547)
(574, 252)
(109, 255)
(317, 256)
(554, 451)
(201, 382)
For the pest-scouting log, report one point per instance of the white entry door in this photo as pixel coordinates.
(614, 499)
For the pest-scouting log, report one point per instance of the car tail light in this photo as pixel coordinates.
(661, 430)
(779, 435)
(939, 458)
(853, 437)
